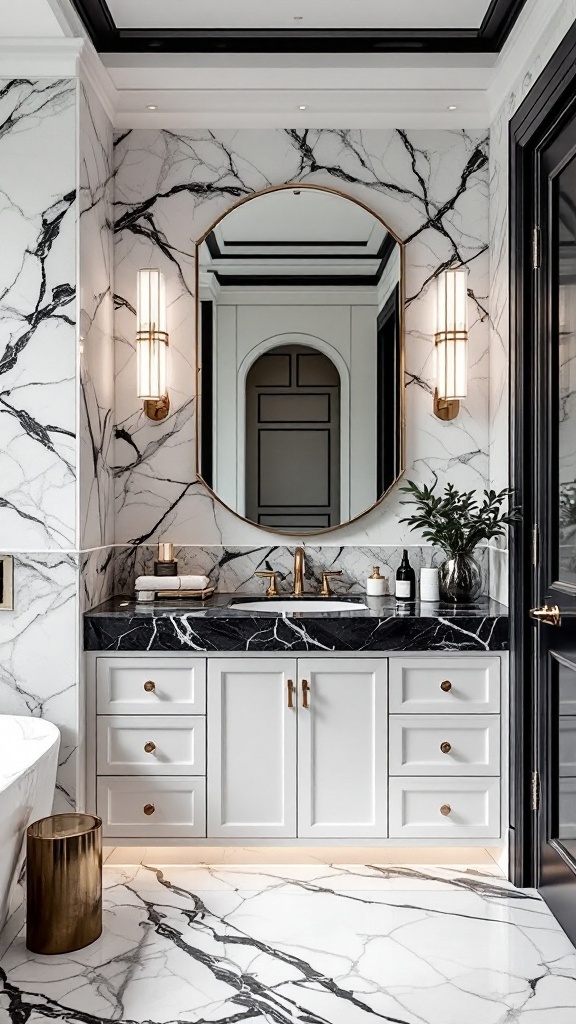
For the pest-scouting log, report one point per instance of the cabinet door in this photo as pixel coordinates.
(342, 748)
(251, 748)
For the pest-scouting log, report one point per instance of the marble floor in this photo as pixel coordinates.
(311, 943)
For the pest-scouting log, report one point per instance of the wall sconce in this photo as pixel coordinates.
(152, 344)
(451, 341)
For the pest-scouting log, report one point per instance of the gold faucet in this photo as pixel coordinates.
(298, 572)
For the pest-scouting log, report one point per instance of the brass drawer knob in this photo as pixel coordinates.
(149, 686)
(445, 747)
(149, 747)
(149, 809)
(446, 685)
(445, 810)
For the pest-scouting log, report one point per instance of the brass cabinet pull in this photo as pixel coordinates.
(305, 692)
(445, 747)
(445, 810)
(290, 686)
(446, 686)
(149, 686)
(149, 809)
(149, 747)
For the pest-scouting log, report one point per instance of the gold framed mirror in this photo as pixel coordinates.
(300, 293)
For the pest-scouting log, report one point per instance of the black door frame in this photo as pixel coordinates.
(549, 104)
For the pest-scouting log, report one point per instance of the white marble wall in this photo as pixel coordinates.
(39, 639)
(37, 315)
(534, 62)
(96, 324)
(231, 569)
(430, 186)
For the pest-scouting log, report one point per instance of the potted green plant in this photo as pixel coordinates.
(456, 521)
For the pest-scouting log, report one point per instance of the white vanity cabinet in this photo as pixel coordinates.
(297, 748)
(391, 749)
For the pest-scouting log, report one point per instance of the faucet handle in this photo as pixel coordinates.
(272, 590)
(326, 588)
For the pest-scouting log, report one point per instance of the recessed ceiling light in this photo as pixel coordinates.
(151, 106)
(452, 106)
(302, 107)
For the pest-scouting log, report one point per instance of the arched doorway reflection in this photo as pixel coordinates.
(293, 439)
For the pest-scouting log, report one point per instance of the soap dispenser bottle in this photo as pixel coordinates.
(166, 564)
(376, 585)
(405, 580)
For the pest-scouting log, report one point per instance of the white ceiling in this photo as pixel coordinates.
(32, 18)
(314, 13)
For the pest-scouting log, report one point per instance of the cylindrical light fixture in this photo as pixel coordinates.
(451, 340)
(152, 343)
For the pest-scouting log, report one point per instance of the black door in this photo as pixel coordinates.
(293, 440)
(554, 514)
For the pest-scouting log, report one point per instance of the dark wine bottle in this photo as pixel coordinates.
(405, 580)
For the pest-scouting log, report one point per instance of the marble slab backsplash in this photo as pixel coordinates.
(232, 569)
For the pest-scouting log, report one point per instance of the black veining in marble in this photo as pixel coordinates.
(219, 624)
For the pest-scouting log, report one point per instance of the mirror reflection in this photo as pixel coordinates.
(300, 355)
(566, 307)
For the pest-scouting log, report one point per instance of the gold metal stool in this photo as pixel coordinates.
(64, 883)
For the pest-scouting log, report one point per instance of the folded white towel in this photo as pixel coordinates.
(172, 583)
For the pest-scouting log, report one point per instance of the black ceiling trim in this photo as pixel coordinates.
(490, 37)
(294, 281)
(302, 245)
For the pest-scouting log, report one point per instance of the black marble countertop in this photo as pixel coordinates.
(220, 624)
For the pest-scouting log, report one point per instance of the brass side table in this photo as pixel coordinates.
(64, 883)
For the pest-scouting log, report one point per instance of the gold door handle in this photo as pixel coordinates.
(149, 686)
(305, 692)
(272, 590)
(149, 747)
(548, 614)
(149, 809)
(446, 685)
(290, 686)
(445, 810)
(445, 747)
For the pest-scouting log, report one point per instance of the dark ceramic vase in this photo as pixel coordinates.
(460, 579)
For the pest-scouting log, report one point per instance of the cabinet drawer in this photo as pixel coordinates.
(444, 745)
(471, 808)
(176, 745)
(444, 686)
(155, 686)
(176, 806)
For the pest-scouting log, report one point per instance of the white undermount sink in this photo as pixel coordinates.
(292, 606)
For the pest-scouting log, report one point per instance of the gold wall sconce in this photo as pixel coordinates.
(152, 344)
(451, 342)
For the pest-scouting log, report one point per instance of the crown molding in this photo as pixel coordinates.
(68, 18)
(94, 73)
(40, 58)
(536, 34)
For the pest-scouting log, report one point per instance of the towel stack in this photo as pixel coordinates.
(149, 587)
